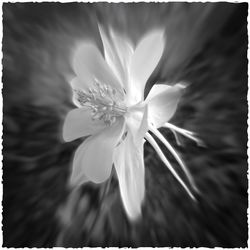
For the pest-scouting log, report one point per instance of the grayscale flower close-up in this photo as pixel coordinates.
(125, 124)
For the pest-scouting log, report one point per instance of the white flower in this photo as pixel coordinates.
(113, 113)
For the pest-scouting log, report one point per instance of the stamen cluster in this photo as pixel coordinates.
(104, 102)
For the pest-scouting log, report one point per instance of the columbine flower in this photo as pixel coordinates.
(112, 111)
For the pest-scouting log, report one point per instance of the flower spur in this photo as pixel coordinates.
(112, 111)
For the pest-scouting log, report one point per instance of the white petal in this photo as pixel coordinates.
(137, 122)
(157, 89)
(118, 52)
(76, 84)
(162, 103)
(94, 157)
(129, 165)
(146, 57)
(89, 65)
(78, 123)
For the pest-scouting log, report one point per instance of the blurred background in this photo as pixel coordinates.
(206, 46)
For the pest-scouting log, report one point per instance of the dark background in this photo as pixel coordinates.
(206, 46)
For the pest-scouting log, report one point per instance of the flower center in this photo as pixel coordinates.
(104, 102)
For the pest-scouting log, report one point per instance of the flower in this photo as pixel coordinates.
(112, 111)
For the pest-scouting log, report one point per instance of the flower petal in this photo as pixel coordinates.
(137, 122)
(78, 123)
(144, 60)
(157, 89)
(94, 157)
(129, 165)
(89, 65)
(162, 103)
(118, 52)
(76, 84)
